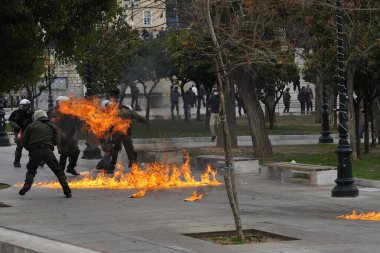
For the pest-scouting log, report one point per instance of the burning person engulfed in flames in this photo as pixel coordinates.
(153, 176)
(99, 121)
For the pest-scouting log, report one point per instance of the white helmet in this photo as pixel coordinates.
(39, 114)
(62, 98)
(129, 107)
(24, 102)
(105, 103)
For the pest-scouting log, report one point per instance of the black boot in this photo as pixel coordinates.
(25, 189)
(16, 164)
(72, 171)
(67, 193)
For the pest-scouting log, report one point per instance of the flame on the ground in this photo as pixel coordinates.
(154, 176)
(374, 216)
(138, 194)
(194, 197)
(100, 121)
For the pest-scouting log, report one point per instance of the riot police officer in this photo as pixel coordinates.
(39, 139)
(68, 127)
(19, 120)
(125, 112)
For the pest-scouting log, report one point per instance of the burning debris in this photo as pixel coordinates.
(194, 197)
(372, 216)
(138, 194)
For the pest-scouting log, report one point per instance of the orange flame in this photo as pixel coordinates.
(100, 121)
(154, 176)
(194, 197)
(138, 194)
(361, 216)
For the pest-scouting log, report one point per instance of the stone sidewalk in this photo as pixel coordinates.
(108, 221)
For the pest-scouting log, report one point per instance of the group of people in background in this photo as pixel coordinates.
(305, 97)
(40, 131)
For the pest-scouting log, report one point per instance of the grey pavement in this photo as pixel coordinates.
(108, 221)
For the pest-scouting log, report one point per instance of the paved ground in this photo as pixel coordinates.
(109, 221)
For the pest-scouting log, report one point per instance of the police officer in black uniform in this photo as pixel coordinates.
(19, 120)
(39, 139)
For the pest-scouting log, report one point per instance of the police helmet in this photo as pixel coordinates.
(39, 114)
(105, 103)
(62, 98)
(24, 102)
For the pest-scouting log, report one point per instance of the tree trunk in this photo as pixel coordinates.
(262, 146)
(30, 96)
(231, 121)
(229, 177)
(375, 121)
(270, 109)
(351, 68)
(318, 101)
(366, 104)
(356, 143)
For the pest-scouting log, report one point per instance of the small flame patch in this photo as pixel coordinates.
(370, 216)
(194, 197)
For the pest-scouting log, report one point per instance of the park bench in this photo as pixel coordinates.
(242, 165)
(318, 175)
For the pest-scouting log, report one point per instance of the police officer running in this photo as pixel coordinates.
(68, 128)
(19, 120)
(39, 139)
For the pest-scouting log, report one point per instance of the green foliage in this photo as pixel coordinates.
(21, 58)
(28, 27)
(191, 56)
(106, 54)
(151, 61)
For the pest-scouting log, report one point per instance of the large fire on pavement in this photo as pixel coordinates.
(153, 177)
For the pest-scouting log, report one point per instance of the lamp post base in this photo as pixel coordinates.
(342, 191)
(326, 139)
(4, 140)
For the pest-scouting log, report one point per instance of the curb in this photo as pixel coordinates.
(13, 241)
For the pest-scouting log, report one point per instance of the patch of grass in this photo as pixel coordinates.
(285, 125)
(319, 154)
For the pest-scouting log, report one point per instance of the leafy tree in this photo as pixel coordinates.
(191, 58)
(28, 27)
(150, 64)
(106, 54)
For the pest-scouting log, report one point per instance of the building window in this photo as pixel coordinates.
(147, 16)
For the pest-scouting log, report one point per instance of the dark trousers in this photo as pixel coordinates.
(47, 155)
(303, 103)
(68, 151)
(309, 106)
(286, 109)
(18, 153)
(128, 146)
(174, 105)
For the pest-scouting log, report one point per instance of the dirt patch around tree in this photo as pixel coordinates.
(230, 237)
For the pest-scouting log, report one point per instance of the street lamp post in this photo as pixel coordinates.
(325, 132)
(91, 151)
(344, 183)
(48, 77)
(4, 140)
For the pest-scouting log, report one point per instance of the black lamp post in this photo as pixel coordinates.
(4, 140)
(91, 151)
(344, 183)
(48, 77)
(325, 132)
